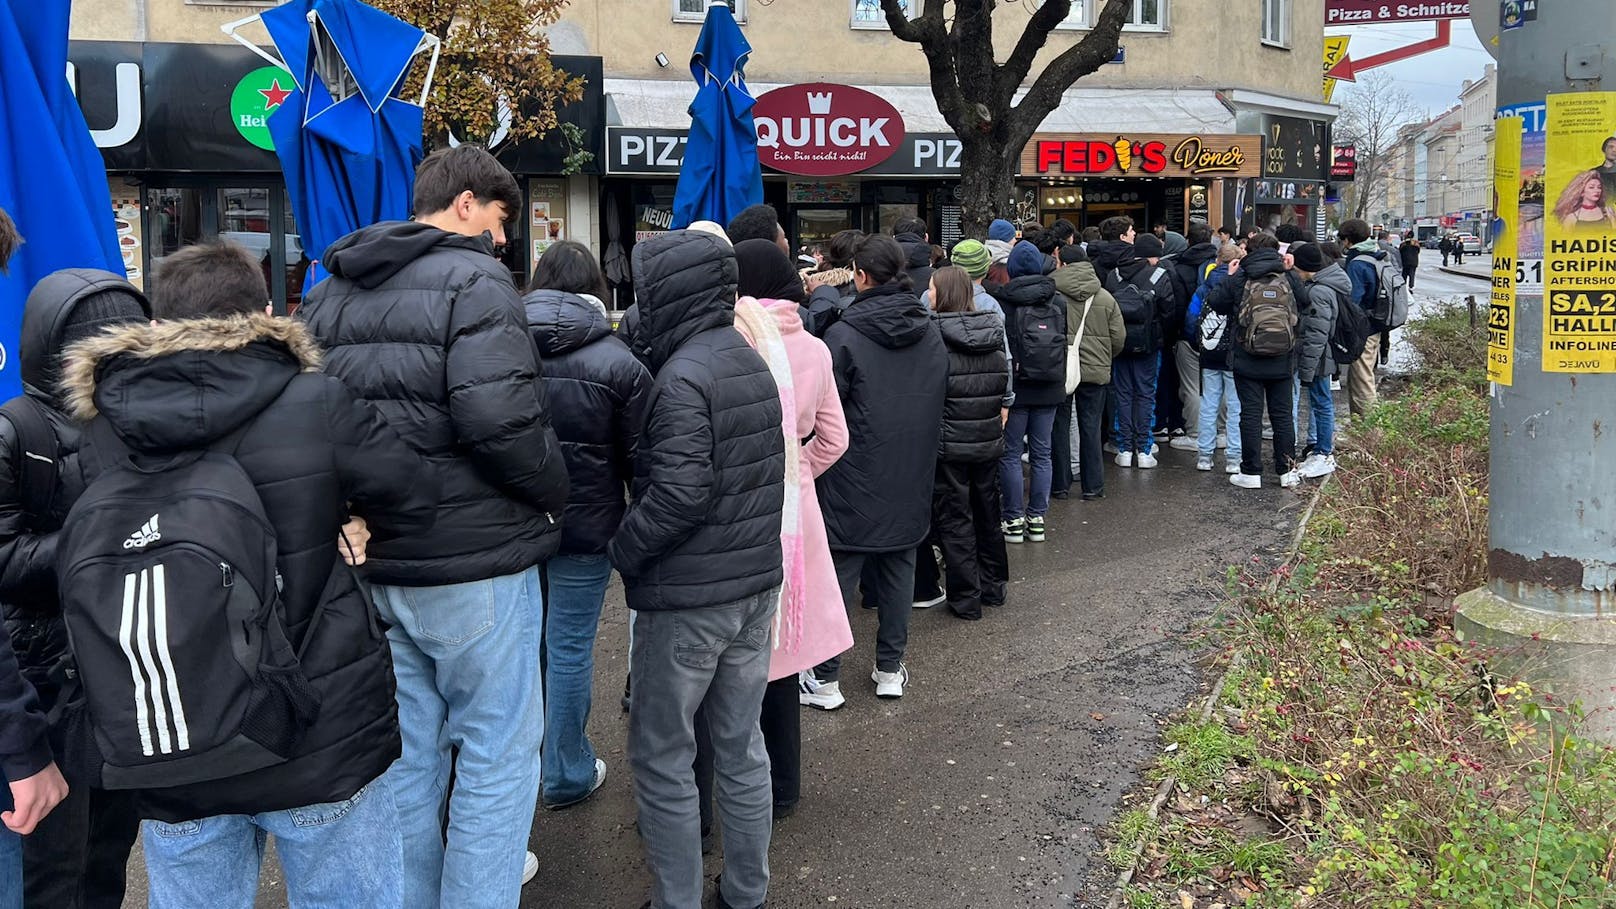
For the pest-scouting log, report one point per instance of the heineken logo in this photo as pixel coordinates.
(259, 94)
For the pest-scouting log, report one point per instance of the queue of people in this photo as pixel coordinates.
(408, 502)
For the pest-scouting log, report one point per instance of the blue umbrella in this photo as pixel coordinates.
(52, 180)
(348, 145)
(721, 174)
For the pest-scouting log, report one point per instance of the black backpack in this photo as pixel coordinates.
(1350, 334)
(1040, 346)
(171, 595)
(37, 461)
(1140, 307)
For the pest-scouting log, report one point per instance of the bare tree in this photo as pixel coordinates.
(1371, 116)
(977, 95)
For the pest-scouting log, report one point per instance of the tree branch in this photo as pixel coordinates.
(1032, 40)
(932, 35)
(1094, 51)
(914, 31)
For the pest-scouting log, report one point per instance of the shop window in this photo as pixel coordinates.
(1145, 16)
(254, 218)
(869, 14)
(1276, 22)
(696, 10)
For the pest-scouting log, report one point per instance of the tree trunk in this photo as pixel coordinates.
(987, 185)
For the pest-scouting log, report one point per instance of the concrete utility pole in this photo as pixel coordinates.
(1551, 564)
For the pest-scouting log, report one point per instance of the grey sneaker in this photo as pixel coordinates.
(890, 684)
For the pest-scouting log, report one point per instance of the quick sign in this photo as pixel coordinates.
(1152, 155)
(821, 130)
(659, 152)
(1360, 12)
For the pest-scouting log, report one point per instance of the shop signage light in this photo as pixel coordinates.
(1151, 155)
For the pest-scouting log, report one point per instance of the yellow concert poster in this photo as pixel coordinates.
(1507, 132)
(1579, 262)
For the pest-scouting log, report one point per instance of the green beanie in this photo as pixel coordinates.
(972, 256)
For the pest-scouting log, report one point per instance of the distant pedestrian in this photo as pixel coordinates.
(1409, 251)
(911, 235)
(1445, 245)
(758, 222)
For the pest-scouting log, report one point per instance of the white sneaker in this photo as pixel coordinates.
(1026, 457)
(811, 692)
(1144, 461)
(1203, 463)
(1268, 433)
(1317, 466)
(927, 604)
(1290, 478)
(1124, 459)
(594, 784)
(890, 684)
(1246, 480)
(1231, 465)
(530, 867)
(1184, 443)
(1222, 442)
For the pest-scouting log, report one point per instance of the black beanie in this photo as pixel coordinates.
(1308, 257)
(102, 309)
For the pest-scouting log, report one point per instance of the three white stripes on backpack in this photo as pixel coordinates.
(142, 629)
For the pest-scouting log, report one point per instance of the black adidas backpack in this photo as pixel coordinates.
(172, 602)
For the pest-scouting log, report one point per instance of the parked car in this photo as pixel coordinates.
(1472, 243)
(1432, 242)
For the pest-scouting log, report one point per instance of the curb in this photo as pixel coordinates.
(1464, 273)
(1125, 877)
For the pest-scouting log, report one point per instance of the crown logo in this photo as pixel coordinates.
(819, 104)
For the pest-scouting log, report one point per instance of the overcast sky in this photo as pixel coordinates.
(1433, 79)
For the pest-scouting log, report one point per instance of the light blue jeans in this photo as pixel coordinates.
(1217, 390)
(1321, 416)
(575, 590)
(334, 854)
(467, 661)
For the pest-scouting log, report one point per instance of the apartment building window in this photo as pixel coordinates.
(869, 14)
(1146, 15)
(1077, 17)
(696, 10)
(1276, 22)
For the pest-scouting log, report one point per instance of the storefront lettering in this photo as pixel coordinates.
(126, 125)
(1193, 155)
(943, 154)
(1099, 157)
(652, 151)
(820, 129)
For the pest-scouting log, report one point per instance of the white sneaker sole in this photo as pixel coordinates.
(530, 868)
(927, 604)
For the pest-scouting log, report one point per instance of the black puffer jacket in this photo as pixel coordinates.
(977, 379)
(709, 480)
(28, 553)
(892, 372)
(596, 389)
(916, 260)
(311, 449)
(1024, 299)
(1186, 270)
(1226, 298)
(427, 326)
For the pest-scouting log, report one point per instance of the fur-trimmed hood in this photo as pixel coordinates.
(184, 384)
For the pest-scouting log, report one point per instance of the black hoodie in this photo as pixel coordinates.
(916, 260)
(1226, 298)
(709, 478)
(891, 370)
(427, 326)
(1186, 269)
(597, 391)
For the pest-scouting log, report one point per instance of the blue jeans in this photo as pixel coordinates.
(334, 854)
(1217, 390)
(1134, 378)
(467, 661)
(1037, 424)
(575, 589)
(1321, 422)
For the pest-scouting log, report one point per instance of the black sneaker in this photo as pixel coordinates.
(1035, 529)
(1015, 531)
(1092, 496)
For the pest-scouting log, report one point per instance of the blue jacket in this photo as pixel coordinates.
(1361, 270)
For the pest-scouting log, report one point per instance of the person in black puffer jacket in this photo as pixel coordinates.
(1035, 320)
(911, 235)
(216, 368)
(965, 501)
(891, 370)
(1262, 380)
(420, 319)
(597, 391)
(831, 288)
(700, 555)
(76, 855)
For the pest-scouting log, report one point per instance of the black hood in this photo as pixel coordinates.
(561, 322)
(972, 332)
(1027, 290)
(1197, 256)
(888, 315)
(182, 385)
(916, 251)
(1133, 267)
(1262, 263)
(1107, 256)
(371, 255)
(45, 317)
(684, 284)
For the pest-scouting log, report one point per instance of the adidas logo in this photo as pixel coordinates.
(145, 536)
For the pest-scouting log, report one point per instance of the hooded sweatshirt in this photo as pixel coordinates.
(916, 259)
(1104, 334)
(1329, 290)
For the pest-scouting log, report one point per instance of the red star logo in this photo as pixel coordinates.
(274, 96)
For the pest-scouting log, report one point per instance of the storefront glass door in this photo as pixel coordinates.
(815, 226)
(258, 219)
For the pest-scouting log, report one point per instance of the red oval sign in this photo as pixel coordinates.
(822, 130)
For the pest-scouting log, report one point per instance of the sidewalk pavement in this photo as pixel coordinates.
(1480, 274)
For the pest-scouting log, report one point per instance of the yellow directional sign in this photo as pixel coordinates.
(1335, 50)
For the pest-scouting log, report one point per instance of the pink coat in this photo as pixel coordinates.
(825, 630)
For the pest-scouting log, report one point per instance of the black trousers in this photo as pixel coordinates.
(1061, 448)
(782, 736)
(894, 580)
(76, 857)
(1169, 406)
(1276, 395)
(1090, 436)
(965, 513)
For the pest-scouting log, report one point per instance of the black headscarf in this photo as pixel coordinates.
(766, 273)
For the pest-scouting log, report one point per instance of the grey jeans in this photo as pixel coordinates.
(1188, 355)
(715, 658)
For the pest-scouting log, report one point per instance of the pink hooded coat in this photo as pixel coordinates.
(825, 631)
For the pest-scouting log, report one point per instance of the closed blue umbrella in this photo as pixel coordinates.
(52, 180)
(720, 175)
(348, 144)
